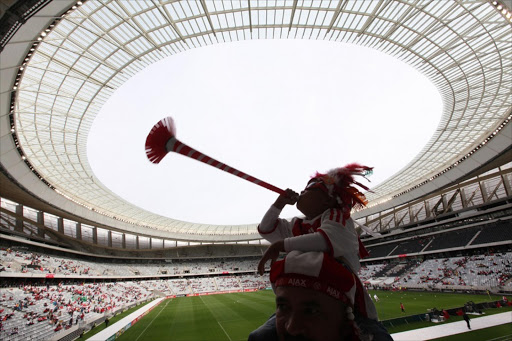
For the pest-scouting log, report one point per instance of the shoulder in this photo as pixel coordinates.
(372, 330)
(266, 332)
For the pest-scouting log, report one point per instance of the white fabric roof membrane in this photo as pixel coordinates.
(464, 48)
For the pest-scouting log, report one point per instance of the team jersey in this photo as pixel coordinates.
(324, 233)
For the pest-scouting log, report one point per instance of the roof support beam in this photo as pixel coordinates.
(339, 8)
(165, 14)
(293, 14)
(379, 8)
(205, 9)
(250, 15)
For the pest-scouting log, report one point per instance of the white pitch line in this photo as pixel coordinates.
(152, 320)
(224, 331)
(220, 325)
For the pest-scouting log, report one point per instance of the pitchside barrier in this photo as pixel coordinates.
(76, 330)
(435, 314)
(117, 329)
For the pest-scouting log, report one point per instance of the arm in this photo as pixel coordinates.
(372, 328)
(275, 230)
(272, 253)
(266, 332)
(342, 240)
(309, 242)
(271, 227)
(332, 236)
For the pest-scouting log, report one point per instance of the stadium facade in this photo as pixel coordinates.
(62, 60)
(444, 220)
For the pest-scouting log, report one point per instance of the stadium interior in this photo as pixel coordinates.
(443, 223)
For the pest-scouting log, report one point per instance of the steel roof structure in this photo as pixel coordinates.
(64, 60)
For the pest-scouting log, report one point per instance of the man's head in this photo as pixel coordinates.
(314, 297)
(306, 314)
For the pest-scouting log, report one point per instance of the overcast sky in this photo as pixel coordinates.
(279, 110)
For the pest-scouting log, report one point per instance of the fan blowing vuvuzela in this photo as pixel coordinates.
(162, 140)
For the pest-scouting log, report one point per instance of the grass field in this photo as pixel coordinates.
(232, 317)
(215, 317)
(418, 302)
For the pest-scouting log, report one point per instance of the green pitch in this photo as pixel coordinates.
(418, 302)
(231, 317)
(227, 317)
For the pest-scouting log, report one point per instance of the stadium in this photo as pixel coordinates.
(75, 256)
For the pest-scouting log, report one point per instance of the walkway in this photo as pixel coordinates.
(124, 323)
(453, 328)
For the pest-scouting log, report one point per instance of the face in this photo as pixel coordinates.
(313, 200)
(308, 315)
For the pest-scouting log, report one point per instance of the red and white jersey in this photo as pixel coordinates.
(324, 233)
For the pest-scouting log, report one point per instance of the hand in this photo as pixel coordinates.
(289, 197)
(272, 253)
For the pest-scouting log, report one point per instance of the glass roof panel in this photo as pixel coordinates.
(463, 47)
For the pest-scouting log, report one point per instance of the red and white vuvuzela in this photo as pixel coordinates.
(162, 140)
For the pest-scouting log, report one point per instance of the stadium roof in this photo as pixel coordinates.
(63, 64)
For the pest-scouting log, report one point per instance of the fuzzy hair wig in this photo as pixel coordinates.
(340, 184)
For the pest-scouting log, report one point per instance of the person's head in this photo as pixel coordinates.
(315, 199)
(335, 189)
(305, 314)
(315, 297)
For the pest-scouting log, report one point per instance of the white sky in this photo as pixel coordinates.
(279, 110)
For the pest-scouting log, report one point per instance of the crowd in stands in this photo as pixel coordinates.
(37, 311)
(494, 270)
(480, 271)
(370, 271)
(40, 310)
(21, 261)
